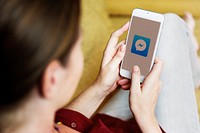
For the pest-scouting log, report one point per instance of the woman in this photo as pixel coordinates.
(42, 64)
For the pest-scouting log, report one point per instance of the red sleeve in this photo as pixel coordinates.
(73, 119)
(101, 123)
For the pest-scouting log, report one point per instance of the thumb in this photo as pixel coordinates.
(114, 63)
(135, 85)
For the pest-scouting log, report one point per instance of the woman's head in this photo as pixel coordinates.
(40, 48)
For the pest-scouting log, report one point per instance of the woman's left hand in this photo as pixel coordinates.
(109, 77)
(107, 80)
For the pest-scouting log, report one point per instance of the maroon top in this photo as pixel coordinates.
(101, 123)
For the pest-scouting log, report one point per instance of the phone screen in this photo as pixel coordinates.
(141, 43)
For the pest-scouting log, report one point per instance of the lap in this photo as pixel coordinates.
(176, 109)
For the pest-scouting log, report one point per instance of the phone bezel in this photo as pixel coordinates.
(150, 16)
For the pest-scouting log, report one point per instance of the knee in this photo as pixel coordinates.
(172, 17)
(174, 20)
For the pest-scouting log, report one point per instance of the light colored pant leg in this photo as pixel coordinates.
(195, 64)
(176, 110)
(118, 106)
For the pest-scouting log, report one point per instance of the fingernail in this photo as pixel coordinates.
(136, 68)
(122, 48)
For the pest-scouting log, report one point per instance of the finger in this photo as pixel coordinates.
(115, 36)
(114, 63)
(118, 45)
(135, 85)
(123, 81)
(154, 76)
(158, 66)
(108, 55)
(125, 87)
(156, 70)
(114, 50)
(157, 90)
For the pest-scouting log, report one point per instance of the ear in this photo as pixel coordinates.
(51, 79)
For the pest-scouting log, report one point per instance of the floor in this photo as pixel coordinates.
(120, 12)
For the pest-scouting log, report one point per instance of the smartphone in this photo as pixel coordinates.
(142, 42)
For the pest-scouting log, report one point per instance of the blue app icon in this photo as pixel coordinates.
(140, 45)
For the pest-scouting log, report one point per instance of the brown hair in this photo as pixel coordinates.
(32, 33)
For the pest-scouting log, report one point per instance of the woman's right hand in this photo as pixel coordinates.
(143, 98)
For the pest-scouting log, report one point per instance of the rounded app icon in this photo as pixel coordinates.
(140, 45)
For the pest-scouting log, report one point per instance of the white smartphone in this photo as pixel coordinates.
(142, 42)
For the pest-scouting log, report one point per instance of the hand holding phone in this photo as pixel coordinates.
(142, 42)
(143, 99)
